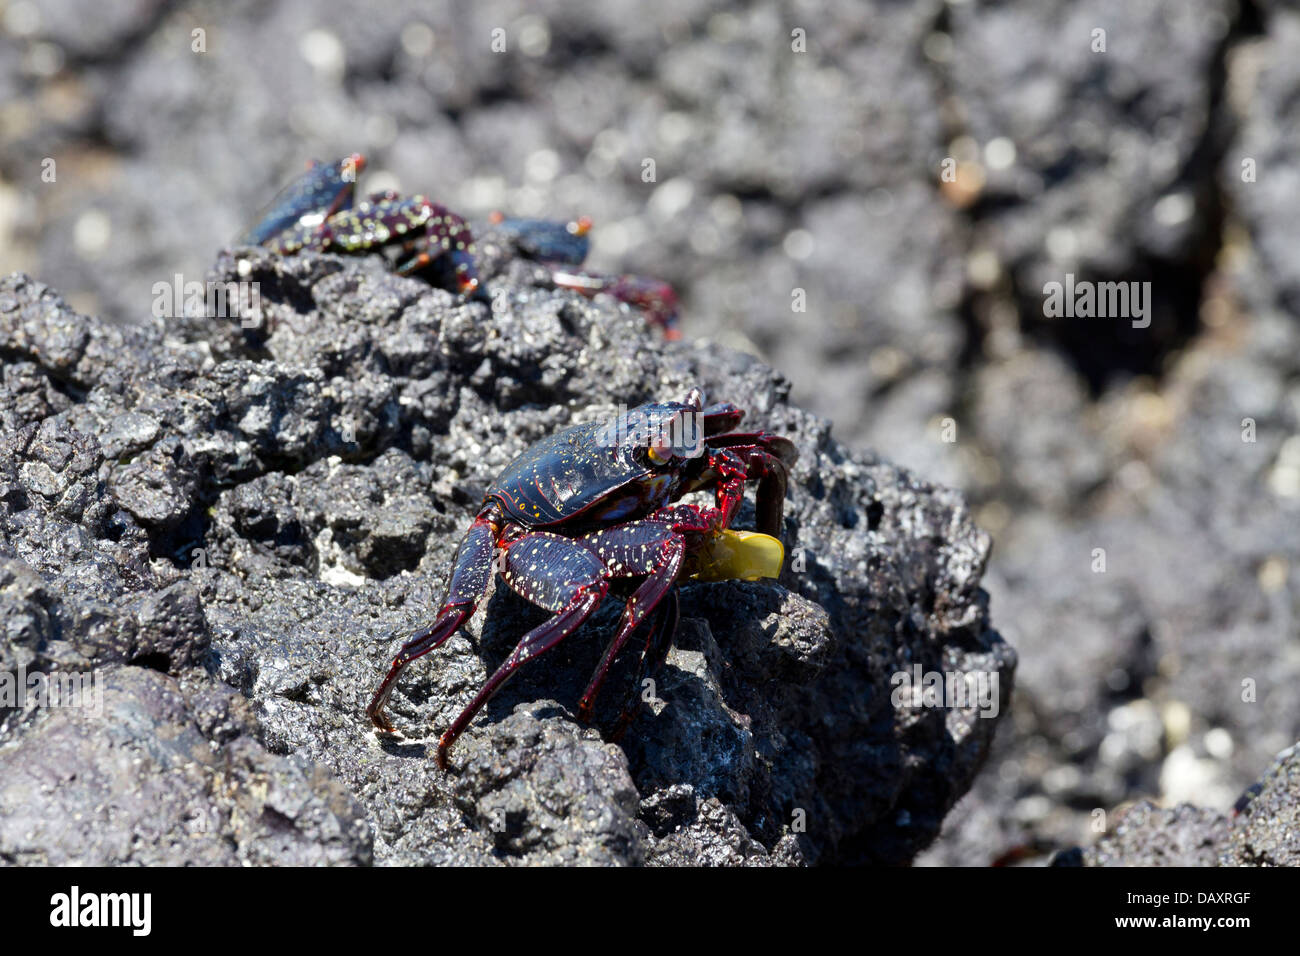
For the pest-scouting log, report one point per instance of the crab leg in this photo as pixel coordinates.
(427, 229)
(653, 296)
(654, 548)
(727, 470)
(471, 570)
(555, 573)
(444, 233)
(653, 656)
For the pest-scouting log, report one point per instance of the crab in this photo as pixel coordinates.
(316, 213)
(562, 247)
(598, 502)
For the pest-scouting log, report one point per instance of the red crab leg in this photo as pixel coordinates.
(781, 447)
(427, 229)
(555, 573)
(654, 548)
(652, 658)
(653, 296)
(444, 233)
(471, 571)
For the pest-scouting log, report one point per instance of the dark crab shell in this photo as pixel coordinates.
(324, 188)
(595, 472)
(547, 240)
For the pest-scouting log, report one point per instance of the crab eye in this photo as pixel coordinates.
(661, 446)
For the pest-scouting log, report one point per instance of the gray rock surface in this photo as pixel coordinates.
(1260, 831)
(1170, 675)
(164, 773)
(1264, 830)
(269, 502)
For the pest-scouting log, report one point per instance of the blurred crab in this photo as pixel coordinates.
(598, 502)
(315, 212)
(563, 246)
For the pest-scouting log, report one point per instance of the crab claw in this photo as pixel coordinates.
(721, 418)
(772, 466)
(782, 447)
(768, 459)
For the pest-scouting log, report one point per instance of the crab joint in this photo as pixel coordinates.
(743, 555)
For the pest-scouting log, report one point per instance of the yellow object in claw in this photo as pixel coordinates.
(742, 555)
